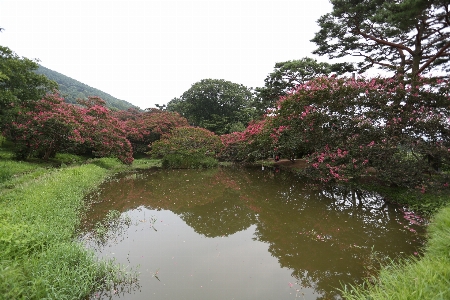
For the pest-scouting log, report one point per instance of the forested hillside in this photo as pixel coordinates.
(72, 89)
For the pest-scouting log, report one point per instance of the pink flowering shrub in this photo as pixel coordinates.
(48, 127)
(382, 123)
(51, 125)
(144, 128)
(346, 127)
(104, 135)
(251, 144)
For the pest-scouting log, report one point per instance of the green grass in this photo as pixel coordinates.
(40, 209)
(416, 278)
(146, 163)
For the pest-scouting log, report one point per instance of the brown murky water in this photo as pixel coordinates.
(245, 234)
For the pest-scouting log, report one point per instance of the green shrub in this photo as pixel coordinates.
(106, 162)
(68, 158)
(180, 161)
(187, 148)
(187, 141)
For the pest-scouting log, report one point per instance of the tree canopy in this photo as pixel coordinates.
(215, 104)
(407, 37)
(287, 75)
(19, 84)
(56, 126)
(345, 126)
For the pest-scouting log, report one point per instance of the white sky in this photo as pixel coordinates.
(148, 52)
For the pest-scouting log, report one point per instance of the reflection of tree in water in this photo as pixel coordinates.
(222, 217)
(324, 237)
(329, 240)
(225, 213)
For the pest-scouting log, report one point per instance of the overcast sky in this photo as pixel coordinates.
(148, 52)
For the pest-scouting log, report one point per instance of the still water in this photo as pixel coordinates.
(244, 234)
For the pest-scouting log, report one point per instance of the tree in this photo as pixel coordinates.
(287, 75)
(408, 37)
(53, 125)
(187, 147)
(103, 134)
(249, 145)
(349, 125)
(19, 84)
(215, 104)
(177, 105)
(144, 128)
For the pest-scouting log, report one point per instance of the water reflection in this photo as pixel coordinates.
(285, 238)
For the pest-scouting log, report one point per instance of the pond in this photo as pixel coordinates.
(233, 233)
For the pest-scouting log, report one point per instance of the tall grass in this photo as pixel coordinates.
(424, 278)
(39, 257)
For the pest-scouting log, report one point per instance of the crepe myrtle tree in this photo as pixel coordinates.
(252, 144)
(146, 127)
(349, 125)
(50, 126)
(53, 126)
(288, 74)
(104, 134)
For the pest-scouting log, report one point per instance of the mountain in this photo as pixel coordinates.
(72, 89)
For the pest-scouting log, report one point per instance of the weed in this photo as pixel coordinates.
(113, 225)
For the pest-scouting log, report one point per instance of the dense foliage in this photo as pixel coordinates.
(407, 37)
(51, 125)
(287, 75)
(144, 128)
(19, 84)
(249, 145)
(215, 104)
(190, 147)
(347, 126)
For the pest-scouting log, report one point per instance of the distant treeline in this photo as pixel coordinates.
(72, 90)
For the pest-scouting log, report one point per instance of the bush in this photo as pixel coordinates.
(180, 161)
(187, 147)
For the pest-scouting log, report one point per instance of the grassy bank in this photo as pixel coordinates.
(40, 208)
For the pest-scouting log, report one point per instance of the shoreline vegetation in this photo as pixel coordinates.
(41, 204)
